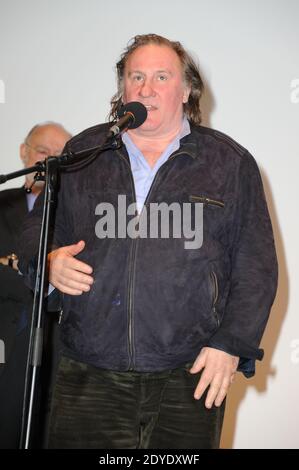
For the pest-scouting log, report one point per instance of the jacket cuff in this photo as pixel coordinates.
(236, 347)
(247, 367)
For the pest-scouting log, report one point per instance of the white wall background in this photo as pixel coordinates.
(57, 62)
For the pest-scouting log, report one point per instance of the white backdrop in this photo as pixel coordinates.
(57, 63)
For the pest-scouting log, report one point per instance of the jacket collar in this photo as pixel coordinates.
(190, 145)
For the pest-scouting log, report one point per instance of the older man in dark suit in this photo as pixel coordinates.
(15, 298)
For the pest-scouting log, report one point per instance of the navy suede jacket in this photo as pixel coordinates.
(154, 304)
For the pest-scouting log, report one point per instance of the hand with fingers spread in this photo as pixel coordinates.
(67, 273)
(219, 369)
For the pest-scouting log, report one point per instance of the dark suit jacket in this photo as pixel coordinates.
(14, 295)
(15, 300)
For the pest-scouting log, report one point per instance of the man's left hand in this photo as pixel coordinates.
(219, 372)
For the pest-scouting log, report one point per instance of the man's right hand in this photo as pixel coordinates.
(68, 274)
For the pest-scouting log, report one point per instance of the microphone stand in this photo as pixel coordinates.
(50, 167)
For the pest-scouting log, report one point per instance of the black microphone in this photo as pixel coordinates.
(132, 115)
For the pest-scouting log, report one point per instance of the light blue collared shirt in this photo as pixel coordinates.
(143, 174)
(31, 198)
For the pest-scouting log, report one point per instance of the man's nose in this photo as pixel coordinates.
(147, 90)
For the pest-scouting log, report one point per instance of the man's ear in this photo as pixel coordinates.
(23, 153)
(186, 94)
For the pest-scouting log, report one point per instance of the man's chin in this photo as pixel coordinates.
(150, 126)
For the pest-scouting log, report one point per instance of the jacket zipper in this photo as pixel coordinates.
(216, 294)
(206, 200)
(132, 261)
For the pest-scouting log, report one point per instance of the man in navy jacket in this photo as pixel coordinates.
(155, 328)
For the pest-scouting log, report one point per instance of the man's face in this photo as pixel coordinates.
(153, 76)
(44, 141)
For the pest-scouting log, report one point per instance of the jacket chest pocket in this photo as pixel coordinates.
(207, 200)
(215, 214)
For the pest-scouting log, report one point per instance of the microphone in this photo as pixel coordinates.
(132, 115)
